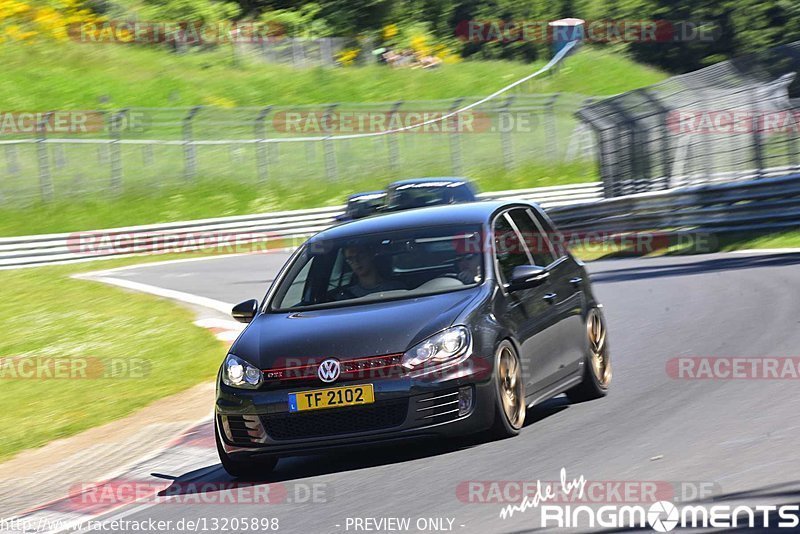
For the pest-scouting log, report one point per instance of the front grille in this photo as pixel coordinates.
(370, 368)
(336, 421)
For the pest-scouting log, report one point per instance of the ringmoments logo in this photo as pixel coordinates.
(661, 516)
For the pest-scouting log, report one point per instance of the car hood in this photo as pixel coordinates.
(285, 339)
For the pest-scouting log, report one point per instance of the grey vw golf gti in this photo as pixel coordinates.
(439, 321)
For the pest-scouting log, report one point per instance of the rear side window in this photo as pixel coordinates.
(536, 243)
(555, 237)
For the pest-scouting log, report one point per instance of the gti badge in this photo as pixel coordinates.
(328, 370)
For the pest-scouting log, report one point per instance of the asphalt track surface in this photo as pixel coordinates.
(739, 436)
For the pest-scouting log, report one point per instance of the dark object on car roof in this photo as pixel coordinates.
(423, 192)
(362, 205)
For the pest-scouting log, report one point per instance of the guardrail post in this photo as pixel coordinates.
(505, 133)
(115, 156)
(391, 139)
(189, 149)
(330, 151)
(550, 131)
(45, 180)
(455, 139)
(262, 155)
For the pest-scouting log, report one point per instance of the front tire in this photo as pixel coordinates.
(597, 368)
(509, 393)
(251, 470)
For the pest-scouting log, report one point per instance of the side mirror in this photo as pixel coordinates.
(527, 276)
(245, 311)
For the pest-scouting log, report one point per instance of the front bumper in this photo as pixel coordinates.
(258, 423)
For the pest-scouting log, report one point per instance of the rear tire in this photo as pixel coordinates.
(509, 393)
(250, 470)
(597, 366)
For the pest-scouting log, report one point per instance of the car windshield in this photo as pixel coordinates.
(403, 264)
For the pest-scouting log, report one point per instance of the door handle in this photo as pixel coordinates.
(576, 281)
(550, 298)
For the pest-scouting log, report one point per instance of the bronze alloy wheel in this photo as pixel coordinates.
(511, 392)
(600, 360)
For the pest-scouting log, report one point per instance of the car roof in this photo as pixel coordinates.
(463, 213)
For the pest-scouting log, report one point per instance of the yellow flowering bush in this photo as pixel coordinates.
(347, 56)
(28, 21)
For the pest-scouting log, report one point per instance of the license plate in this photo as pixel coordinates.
(318, 399)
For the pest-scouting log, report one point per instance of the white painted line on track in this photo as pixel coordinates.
(767, 251)
(188, 298)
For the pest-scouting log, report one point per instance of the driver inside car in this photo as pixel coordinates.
(366, 278)
(469, 269)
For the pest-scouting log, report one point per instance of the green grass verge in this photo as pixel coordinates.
(744, 241)
(85, 76)
(45, 313)
(88, 76)
(219, 198)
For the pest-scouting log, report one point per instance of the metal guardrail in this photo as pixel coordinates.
(763, 204)
(28, 251)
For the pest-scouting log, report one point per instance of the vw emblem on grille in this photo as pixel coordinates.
(328, 370)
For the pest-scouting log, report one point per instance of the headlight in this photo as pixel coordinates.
(238, 373)
(443, 347)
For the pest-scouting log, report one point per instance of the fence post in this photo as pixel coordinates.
(189, 149)
(297, 53)
(666, 159)
(325, 51)
(550, 131)
(115, 155)
(391, 139)
(12, 162)
(330, 153)
(262, 156)
(455, 141)
(758, 148)
(794, 136)
(45, 180)
(505, 134)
